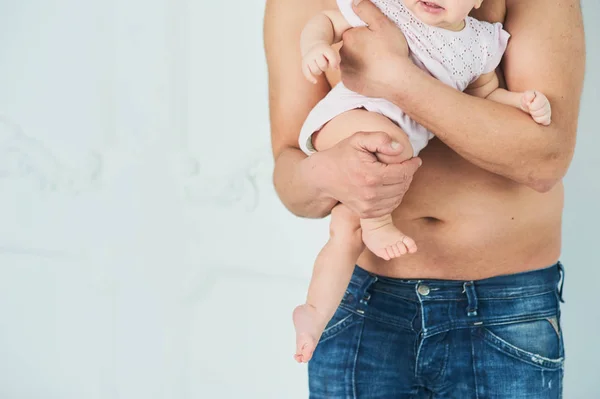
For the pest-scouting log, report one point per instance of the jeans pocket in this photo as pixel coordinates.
(536, 342)
(341, 321)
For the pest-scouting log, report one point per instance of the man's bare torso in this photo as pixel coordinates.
(469, 223)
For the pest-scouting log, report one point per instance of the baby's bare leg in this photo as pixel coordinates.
(379, 234)
(331, 275)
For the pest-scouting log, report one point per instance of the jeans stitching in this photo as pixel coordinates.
(475, 375)
(481, 298)
(366, 315)
(363, 289)
(490, 322)
(520, 354)
(390, 293)
(421, 337)
(515, 297)
(444, 364)
(421, 340)
(519, 318)
(381, 320)
(356, 350)
(339, 327)
(560, 384)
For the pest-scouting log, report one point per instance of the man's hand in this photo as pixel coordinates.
(352, 173)
(372, 56)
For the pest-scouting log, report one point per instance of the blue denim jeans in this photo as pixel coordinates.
(494, 338)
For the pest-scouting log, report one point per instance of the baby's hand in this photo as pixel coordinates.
(537, 105)
(318, 59)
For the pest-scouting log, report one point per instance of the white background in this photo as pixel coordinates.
(143, 251)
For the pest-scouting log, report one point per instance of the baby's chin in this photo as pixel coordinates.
(439, 21)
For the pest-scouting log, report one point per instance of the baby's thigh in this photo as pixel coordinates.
(358, 120)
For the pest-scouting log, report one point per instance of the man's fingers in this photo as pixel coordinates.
(399, 173)
(391, 159)
(333, 57)
(370, 14)
(390, 192)
(376, 142)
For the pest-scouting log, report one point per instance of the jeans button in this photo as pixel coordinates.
(423, 290)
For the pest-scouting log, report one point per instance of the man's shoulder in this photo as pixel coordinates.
(302, 6)
(294, 12)
(491, 11)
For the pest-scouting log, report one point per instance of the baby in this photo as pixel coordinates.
(444, 41)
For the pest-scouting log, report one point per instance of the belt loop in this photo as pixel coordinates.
(366, 295)
(469, 289)
(561, 272)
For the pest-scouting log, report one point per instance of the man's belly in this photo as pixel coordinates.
(470, 224)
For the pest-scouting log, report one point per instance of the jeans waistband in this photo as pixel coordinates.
(517, 285)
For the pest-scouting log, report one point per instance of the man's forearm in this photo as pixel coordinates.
(296, 189)
(496, 137)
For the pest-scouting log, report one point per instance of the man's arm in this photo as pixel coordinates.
(546, 53)
(349, 172)
(291, 98)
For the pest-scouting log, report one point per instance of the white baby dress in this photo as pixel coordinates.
(455, 58)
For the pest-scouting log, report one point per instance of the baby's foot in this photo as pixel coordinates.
(388, 242)
(307, 322)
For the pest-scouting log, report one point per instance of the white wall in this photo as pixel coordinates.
(143, 251)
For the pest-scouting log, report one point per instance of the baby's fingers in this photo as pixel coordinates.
(543, 119)
(540, 110)
(314, 68)
(542, 116)
(322, 62)
(527, 99)
(540, 105)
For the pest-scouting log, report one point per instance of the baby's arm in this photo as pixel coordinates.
(533, 102)
(321, 31)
